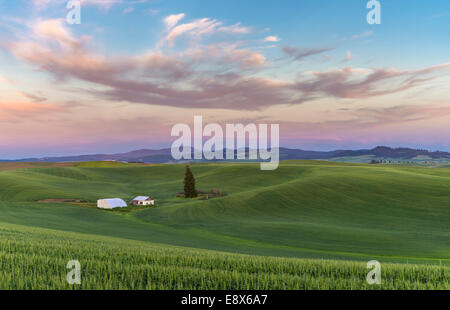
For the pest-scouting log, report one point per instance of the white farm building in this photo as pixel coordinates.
(111, 203)
(142, 201)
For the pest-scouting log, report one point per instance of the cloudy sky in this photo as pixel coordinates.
(134, 68)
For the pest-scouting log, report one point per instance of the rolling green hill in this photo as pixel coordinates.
(305, 209)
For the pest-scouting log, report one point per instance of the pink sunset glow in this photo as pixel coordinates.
(64, 92)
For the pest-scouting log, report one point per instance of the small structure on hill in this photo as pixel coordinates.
(111, 203)
(214, 193)
(142, 201)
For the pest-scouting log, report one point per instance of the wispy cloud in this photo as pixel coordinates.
(348, 57)
(4, 80)
(153, 11)
(35, 98)
(440, 15)
(271, 39)
(172, 20)
(365, 83)
(197, 28)
(400, 114)
(104, 4)
(300, 53)
(128, 10)
(11, 110)
(363, 35)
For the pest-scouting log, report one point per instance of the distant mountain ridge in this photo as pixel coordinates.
(164, 155)
(387, 152)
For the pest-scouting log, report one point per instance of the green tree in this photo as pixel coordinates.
(189, 184)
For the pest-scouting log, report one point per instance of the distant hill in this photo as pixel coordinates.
(144, 155)
(164, 155)
(400, 153)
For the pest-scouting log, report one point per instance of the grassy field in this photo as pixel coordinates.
(307, 225)
(114, 263)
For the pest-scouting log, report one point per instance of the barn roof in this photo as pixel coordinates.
(141, 198)
(116, 202)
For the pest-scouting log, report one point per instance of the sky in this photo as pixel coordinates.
(132, 69)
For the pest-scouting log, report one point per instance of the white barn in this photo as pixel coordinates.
(111, 203)
(142, 201)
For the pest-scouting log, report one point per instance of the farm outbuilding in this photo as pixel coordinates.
(142, 201)
(111, 203)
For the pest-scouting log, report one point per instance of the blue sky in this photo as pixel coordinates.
(316, 67)
(407, 28)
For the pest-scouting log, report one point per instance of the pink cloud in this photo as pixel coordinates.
(366, 83)
(362, 35)
(172, 20)
(297, 53)
(401, 114)
(348, 56)
(195, 78)
(197, 28)
(10, 110)
(231, 53)
(235, 29)
(4, 80)
(271, 39)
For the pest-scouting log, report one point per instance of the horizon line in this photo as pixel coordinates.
(224, 149)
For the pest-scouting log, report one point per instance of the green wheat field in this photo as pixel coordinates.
(307, 225)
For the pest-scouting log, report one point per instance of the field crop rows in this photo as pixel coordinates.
(32, 258)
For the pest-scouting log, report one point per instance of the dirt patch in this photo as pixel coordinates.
(14, 166)
(60, 200)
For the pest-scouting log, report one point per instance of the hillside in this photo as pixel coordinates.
(36, 258)
(303, 209)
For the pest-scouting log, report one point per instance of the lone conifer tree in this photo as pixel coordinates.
(189, 184)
